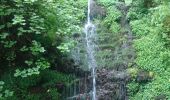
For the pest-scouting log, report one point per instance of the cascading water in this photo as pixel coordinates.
(108, 55)
(84, 56)
(90, 48)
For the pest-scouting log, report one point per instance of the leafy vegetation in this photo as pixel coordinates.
(152, 46)
(34, 37)
(149, 20)
(36, 41)
(4, 93)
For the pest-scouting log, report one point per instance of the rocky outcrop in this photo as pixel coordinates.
(111, 84)
(144, 76)
(96, 10)
(161, 97)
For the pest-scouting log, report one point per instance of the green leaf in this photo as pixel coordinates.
(8, 93)
(4, 35)
(0, 95)
(28, 62)
(36, 48)
(9, 44)
(1, 87)
(18, 19)
(2, 26)
(17, 73)
(24, 48)
(2, 83)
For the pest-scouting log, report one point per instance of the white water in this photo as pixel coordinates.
(85, 92)
(90, 48)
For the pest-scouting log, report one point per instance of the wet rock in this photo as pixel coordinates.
(143, 76)
(104, 95)
(59, 86)
(161, 97)
(76, 35)
(96, 10)
(36, 90)
(120, 66)
(113, 75)
(120, 76)
(111, 84)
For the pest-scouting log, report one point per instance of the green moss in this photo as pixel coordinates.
(133, 72)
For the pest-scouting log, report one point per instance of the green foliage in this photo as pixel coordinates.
(36, 48)
(110, 21)
(4, 35)
(18, 19)
(133, 72)
(40, 64)
(9, 44)
(111, 36)
(46, 81)
(151, 47)
(106, 2)
(50, 78)
(34, 36)
(66, 47)
(132, 88)
(33, 97)
(140, 27)
(155, 88)
(128, 2)
(33, 24)
(152, 50)
(112, 18)
(53, 93)
(4, 93)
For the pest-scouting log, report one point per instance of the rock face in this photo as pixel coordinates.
(143, 76)
(111, 84)
(161, 97)
(96, 10)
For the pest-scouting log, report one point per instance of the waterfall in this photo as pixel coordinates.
(90, 48)
(88, 16)
(84, 88)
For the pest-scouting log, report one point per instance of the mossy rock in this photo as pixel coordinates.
(161, 97)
